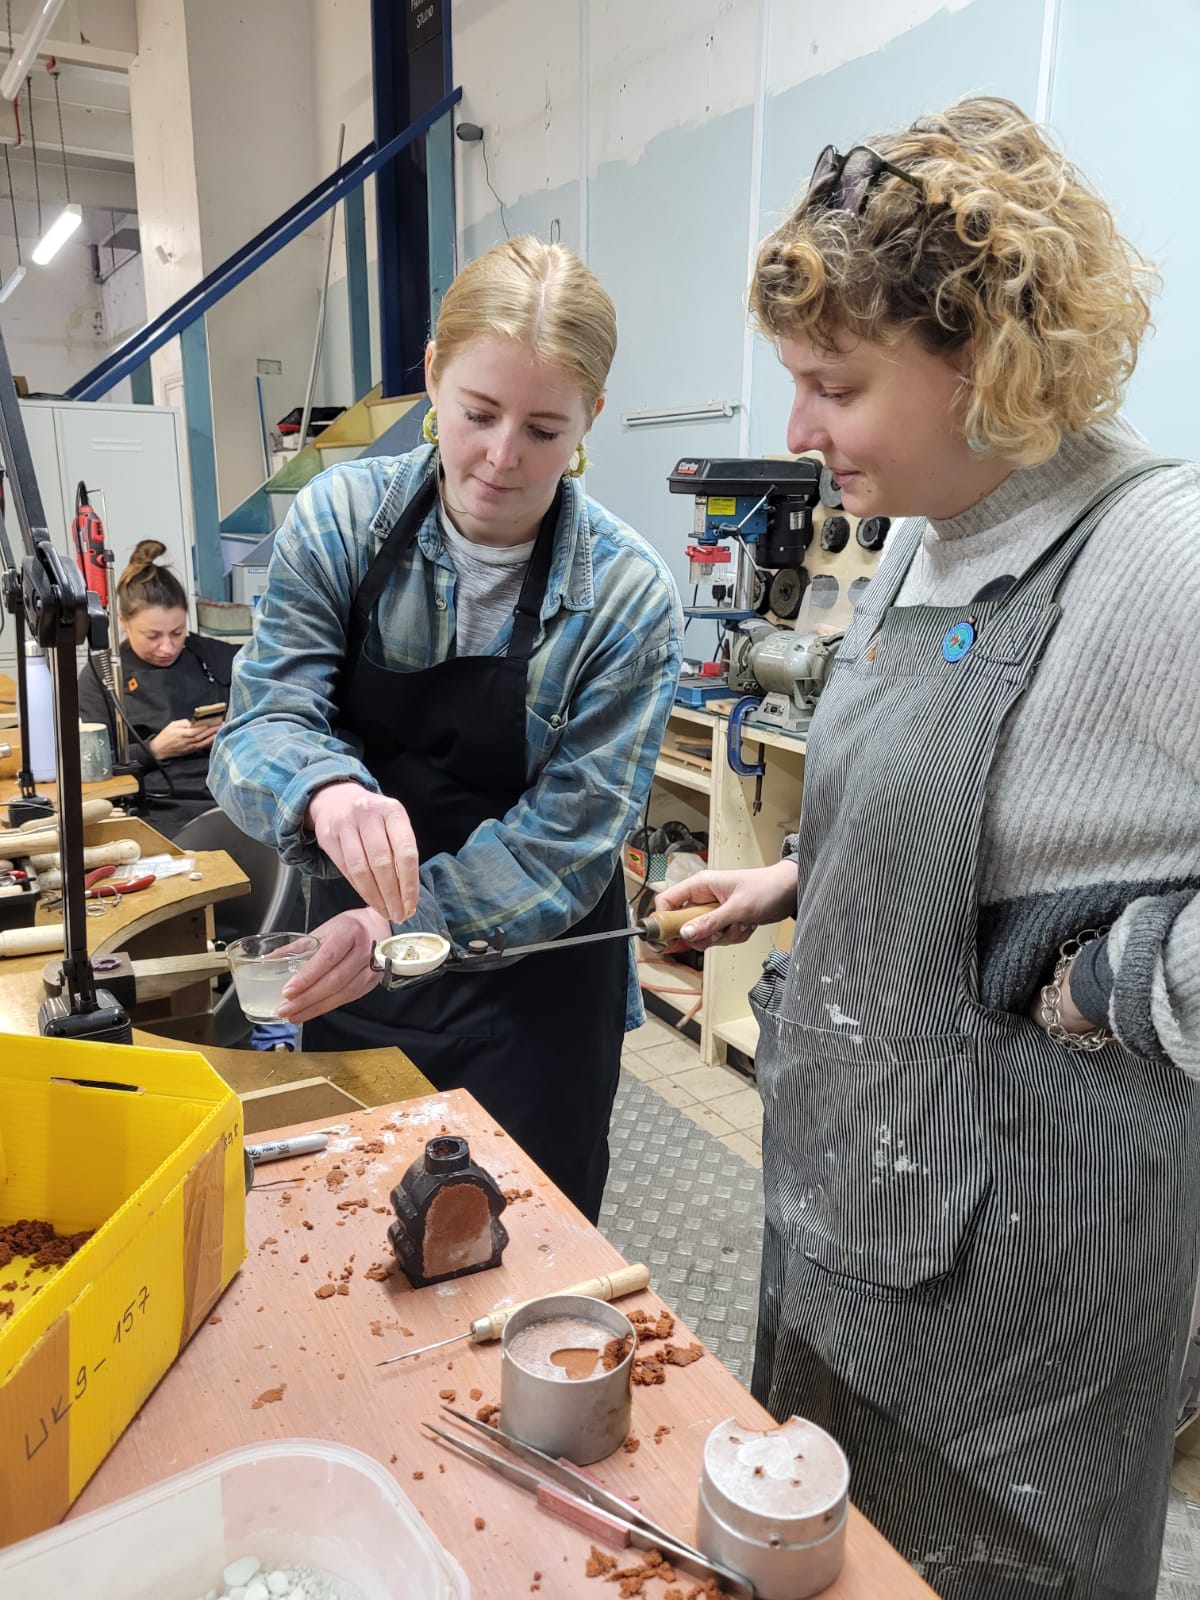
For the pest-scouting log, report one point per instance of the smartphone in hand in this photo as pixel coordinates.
(207, 715)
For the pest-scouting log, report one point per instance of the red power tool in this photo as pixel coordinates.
(91, 554)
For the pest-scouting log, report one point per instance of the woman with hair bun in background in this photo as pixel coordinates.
(167, 674)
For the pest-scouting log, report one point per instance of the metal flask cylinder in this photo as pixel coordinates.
(582, 1419)
(773, 1506)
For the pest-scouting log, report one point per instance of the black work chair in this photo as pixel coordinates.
(273, 905)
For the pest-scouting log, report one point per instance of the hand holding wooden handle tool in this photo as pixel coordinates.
(660, 927)
(626, 1280)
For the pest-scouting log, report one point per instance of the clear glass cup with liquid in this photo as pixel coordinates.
(261, 964)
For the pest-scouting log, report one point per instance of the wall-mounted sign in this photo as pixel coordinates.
(424, 22)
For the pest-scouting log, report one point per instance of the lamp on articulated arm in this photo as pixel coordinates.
(49, 594)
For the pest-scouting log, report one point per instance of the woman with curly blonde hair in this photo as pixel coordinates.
(979, 1066)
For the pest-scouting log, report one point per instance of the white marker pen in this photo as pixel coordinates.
(305, 1144)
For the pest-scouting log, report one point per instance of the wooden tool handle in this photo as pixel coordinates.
(626, 1280)
(92, 811)
(95, 855)
(32, 941)
(662, 926)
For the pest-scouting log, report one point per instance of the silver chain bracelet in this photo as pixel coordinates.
(1052, 998)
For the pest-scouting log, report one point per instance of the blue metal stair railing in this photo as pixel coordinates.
(190, 307)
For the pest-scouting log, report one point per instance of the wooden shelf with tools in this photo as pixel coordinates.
(694, 784)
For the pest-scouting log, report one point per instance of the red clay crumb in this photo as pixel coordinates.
(335, 1177)
(346, 1273)
(352, 1205)
(614, 1352)
(661, 1432)
(758, 1472)
(32, 1237)
(379, 1272)
(599, 1563)
(339, 1376)
(488, 1414)
(377, 1329)
(269, 1397)
(9, 1288)
(674, 1355)
(632, 1443)
(476, 1394)
(417, 1475)
(480, 1524)
(449, 1366)
(304, 1258)
(537, 1577)
(446, 1394)
(359, 1170)
(343, 1288)
(213, 1321)
(270, 1239)
(648, 1327)
(371, 1147)
(513, 1195)
(441, 1468)
(407, 1332)
(646, 1371)
(394, 1457)
(325, 1291)
(6, 1308)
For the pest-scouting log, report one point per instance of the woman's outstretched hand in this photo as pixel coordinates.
(746, 900)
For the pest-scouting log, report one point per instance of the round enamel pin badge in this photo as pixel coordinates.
(958, 640)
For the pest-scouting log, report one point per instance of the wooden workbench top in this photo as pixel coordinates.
(274, 1361)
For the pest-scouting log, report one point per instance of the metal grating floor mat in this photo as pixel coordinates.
(679, 1200)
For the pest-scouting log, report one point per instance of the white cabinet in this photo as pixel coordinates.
(130, 457)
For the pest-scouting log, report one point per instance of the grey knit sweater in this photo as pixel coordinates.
(1093, 814)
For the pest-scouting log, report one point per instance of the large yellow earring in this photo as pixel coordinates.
(578, 463)
(429, 426)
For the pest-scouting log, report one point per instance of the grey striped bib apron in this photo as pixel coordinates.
(979, 1248)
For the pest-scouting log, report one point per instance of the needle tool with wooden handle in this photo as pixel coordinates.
(594, 1513)
(626, 1280)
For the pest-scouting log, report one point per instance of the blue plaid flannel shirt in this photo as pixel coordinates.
(601, 681)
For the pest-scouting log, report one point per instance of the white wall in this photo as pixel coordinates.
(58, 322)
(662, 141)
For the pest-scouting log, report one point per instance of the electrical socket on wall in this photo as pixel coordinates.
(266, 368)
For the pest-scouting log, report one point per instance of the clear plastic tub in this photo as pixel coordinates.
(299, 1502)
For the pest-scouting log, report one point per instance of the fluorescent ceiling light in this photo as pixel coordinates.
(10, 283)
(26, 52)
(57, 234)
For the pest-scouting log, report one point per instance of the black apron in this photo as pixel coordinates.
(538, 1043)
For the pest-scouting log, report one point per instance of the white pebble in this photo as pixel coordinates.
(238, 1573)
(257, 1590)
(278, 1582)
(238, 1592)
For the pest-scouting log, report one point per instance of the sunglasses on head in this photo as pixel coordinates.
(846, 179)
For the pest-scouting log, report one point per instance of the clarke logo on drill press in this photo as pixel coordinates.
(688, 468)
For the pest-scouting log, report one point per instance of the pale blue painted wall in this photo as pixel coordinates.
(990, 47)
(668, 237)
(1123, 104)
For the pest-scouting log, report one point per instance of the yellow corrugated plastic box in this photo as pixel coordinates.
(145, 1147)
